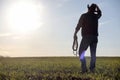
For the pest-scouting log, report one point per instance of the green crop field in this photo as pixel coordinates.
(57, 68)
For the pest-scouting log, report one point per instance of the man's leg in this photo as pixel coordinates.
(82, 49)
(83, 61)
(93, 56)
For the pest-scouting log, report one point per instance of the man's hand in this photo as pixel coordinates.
(98, 9)
(75, 36)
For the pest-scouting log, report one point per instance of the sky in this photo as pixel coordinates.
(35, 28)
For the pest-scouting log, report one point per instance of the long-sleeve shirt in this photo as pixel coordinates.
(88, 22)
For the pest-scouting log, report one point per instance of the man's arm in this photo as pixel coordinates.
(99, 13)
(80, 24)
(76, 31)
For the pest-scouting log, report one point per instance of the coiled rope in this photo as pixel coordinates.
(75, 46)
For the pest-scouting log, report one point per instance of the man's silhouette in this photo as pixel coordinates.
(89, 24)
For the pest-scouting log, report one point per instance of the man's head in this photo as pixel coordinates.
(92, 8)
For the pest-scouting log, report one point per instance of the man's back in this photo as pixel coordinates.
(89, 24)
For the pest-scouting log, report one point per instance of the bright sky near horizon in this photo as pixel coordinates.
(46, 27)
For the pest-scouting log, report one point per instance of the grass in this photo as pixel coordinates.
(57, 68)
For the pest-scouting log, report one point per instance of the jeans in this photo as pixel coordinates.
(85, 43)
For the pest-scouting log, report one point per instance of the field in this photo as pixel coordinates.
(57, 68)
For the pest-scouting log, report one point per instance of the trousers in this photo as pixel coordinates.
(88, 41)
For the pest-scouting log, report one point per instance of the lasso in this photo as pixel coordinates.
(75, 46)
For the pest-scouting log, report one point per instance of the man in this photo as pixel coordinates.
(89, 24)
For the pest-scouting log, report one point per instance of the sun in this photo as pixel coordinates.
(23, 17)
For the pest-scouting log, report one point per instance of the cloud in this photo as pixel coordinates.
(10, 35)
(105, 22)
(3, 52)
(61, 2)
(5, 34)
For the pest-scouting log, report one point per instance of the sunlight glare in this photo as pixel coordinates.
(24, 17)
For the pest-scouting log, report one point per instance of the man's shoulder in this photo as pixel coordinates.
(89, 14)
(84, 14)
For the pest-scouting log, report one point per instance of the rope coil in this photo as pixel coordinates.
(75, 46)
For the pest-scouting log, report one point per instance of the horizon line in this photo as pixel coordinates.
(47, 56)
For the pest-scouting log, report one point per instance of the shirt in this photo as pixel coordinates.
(89, 23)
